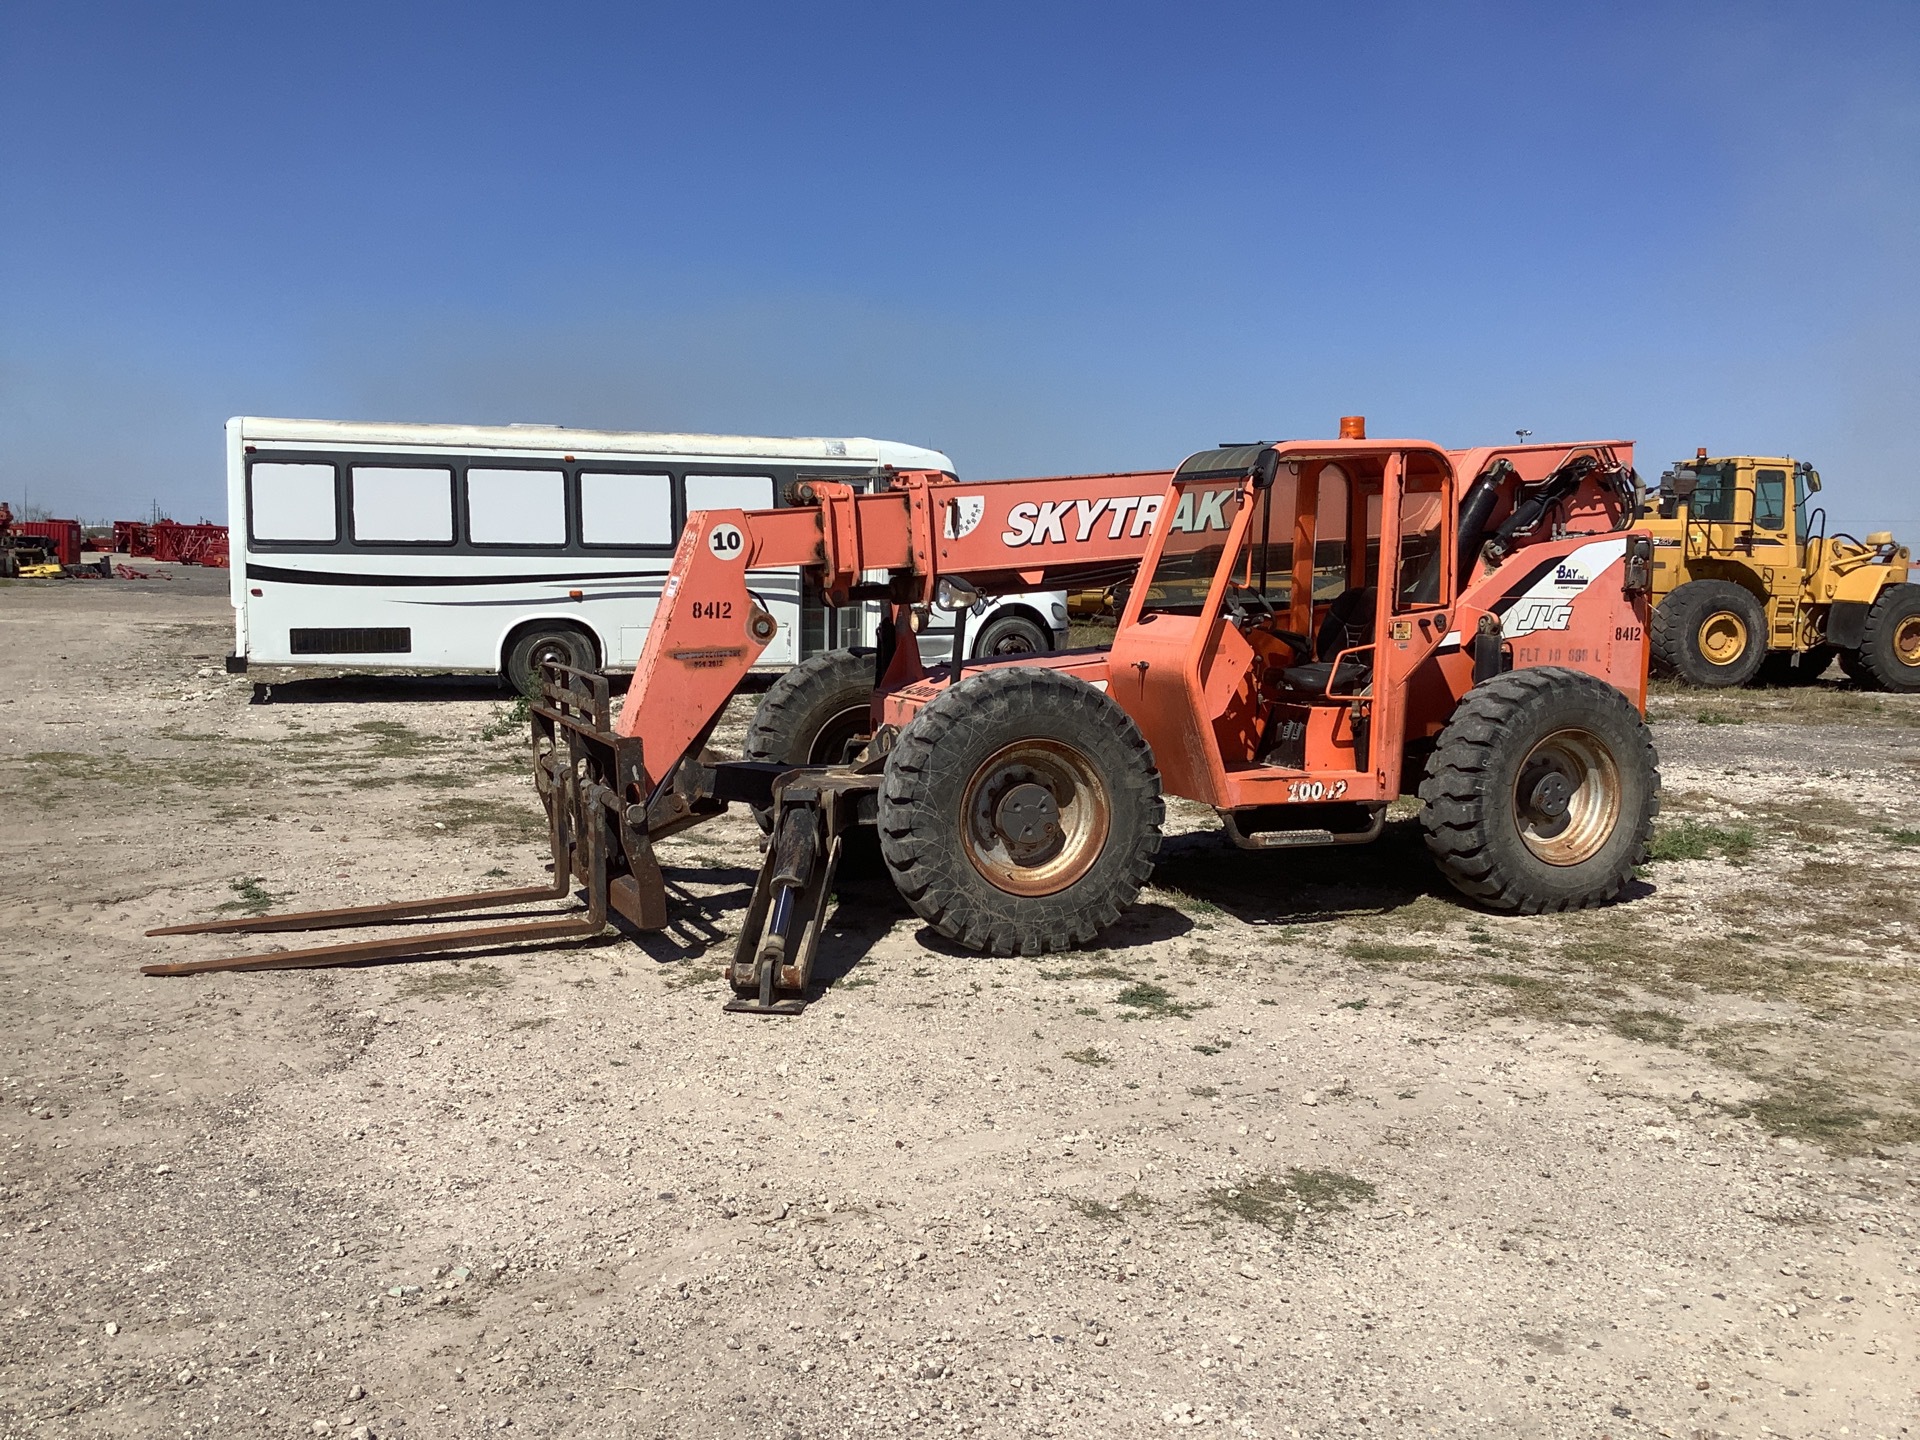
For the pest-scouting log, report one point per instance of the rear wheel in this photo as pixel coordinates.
(1890, 642)
(534, 648)
(1541, 792)
(1021, 812)
(1711, 633)
(1012, 634)
(1856, 670)
(811, 714)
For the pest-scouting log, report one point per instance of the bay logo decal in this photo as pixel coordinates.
(1545, 605)
(1050, 522)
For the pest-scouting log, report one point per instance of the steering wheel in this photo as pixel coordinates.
(1247, 607)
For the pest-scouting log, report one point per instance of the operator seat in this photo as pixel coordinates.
(1348, 623)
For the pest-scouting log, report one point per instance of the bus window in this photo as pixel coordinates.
(729, 492)
(516, 507)
(622, 509)
(402, 505)
(294, 502)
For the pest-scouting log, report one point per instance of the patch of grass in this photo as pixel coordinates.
(1203, 1092)
(251, 897)
(506, 820)
(693, 976)
(510, 720)
(1383, 952)
(1133, 1202)
(1214, 1049)
(538, 1022)
(1699, 840)
(1904, 837)
(1278, 1202)
(1650, 1027)
(392, 740)
(1718, 717)
(1089, 1056)
(448, 979)
(856, 980)
(1539, 996)
(1359, 1004)
(1148, 1001)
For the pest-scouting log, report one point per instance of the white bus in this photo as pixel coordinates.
(493, 548)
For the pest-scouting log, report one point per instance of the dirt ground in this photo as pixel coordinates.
(1310, 1148)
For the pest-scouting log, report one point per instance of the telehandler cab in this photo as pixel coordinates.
(1314, 629)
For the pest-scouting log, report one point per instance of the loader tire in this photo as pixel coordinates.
(1021, 812)
(1856, 670)
(1780, 668)
(1541, 792)
(1890, 643)
(812, 713)
(1711, 633)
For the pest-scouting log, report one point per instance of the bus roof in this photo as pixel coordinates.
(558, 438)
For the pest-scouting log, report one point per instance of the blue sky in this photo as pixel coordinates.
(1039, 237)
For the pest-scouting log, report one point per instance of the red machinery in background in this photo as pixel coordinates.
(171, 541)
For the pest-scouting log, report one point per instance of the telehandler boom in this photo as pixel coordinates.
(1314, 628)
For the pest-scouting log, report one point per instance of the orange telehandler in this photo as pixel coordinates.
(1314, 628)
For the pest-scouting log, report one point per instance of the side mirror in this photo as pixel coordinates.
(1680, 483)
(1265, 468)
(955, 594)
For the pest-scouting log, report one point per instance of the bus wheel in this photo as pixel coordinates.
(1013, 634)
(533, 648)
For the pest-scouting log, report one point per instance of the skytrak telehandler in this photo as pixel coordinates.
(1747, 584)
(1315, 628)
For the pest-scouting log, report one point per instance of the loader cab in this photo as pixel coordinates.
(1277, 577)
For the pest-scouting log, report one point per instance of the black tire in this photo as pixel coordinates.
(1711, 633)
(1009, 634)
(1856, 670)
(810, 714)
(1779, 669)
(1488, 792)
(533, 648)
(1001, 745)
(1890, 643)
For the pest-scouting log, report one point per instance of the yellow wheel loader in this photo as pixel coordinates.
(1749, 585)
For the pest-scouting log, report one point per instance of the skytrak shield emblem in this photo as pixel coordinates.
(964, 513)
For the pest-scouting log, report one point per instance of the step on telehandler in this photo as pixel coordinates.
(1313, 629)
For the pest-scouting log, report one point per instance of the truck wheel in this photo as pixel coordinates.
(1021, 812)
(1856, 670)
(1010, 635)
(1541, 792)
(812, 713)
(1890, 643)
(1710, 632)
(535, 648)
(1779, 669)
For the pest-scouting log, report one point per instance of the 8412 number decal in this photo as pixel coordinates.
(713, 609)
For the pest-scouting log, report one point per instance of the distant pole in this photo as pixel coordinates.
(1523, 434)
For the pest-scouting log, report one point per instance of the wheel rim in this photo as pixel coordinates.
(555, 650)
(1906, 640)
(1014, 642)
(1723, 637)
(1566, 797)
(830, 742)
(1034, 817)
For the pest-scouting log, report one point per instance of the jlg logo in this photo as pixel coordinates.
(1047, 522)
(1532, 615)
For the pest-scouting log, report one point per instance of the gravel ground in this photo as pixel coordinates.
(1309, 1148)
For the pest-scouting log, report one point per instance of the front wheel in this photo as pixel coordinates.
(1541, 792)
(562, 645)
(1021, 812)
(1711, 633)
(1890, 640)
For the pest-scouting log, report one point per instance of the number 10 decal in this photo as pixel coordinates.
(726, 541)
